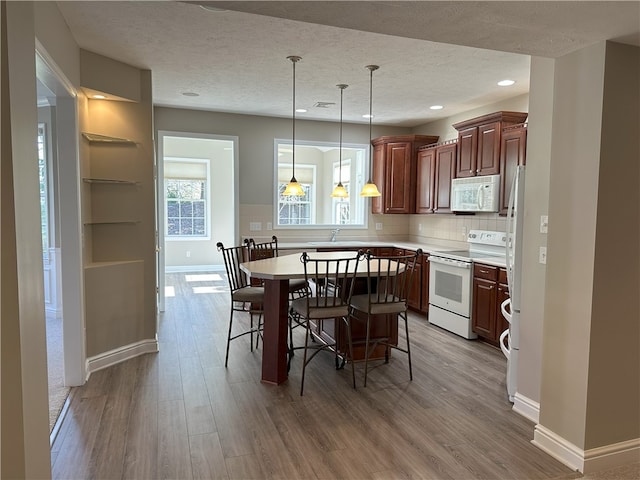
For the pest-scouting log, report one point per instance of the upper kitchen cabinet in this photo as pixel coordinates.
(479, 141)
(435, 170)
(394, 171)
(513, 150)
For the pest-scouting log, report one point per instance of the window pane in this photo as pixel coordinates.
(186, 207)
(317, 169)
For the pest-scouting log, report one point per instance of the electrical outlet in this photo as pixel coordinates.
(419, 227)
(544, 224)
(255, 226)
(378, 226)
(188, 253)
(542, 255)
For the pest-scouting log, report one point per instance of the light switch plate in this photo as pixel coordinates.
(542, 256)
(544, 224)
(255, 226)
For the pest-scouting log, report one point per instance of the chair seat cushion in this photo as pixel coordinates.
(316, 311)
(390, 304)
(248, 294)
(297, 285)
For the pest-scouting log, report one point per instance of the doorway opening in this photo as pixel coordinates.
(197, 202)
(61, 233)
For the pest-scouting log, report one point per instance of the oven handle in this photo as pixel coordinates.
(450, 262)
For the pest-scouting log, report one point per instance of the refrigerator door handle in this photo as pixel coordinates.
(503, 308)
(510, 220)
(506, 350)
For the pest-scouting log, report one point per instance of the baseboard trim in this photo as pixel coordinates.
(526, 407)
(592, 460)
(194, 268)
(559, 448)
(610, 456)
(118, 355)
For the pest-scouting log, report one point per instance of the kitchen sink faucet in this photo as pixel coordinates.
(334, 234)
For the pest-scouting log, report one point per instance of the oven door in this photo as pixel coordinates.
(450, 285)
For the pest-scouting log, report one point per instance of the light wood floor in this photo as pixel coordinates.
(179, 414)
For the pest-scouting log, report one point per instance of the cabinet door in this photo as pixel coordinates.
(488, 161)
(414, 295)
(444, 172)
(467, 152)
(425, 187)
(513, 149)
(398, 178)
(424, 302)
(377, 175)
(484, 308)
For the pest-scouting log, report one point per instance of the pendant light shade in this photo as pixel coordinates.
(339, 191)
(370, 189)
(293, 187)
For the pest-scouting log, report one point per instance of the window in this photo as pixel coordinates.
(294, 210)
(43, 176)
(318, 171)
(187, 201)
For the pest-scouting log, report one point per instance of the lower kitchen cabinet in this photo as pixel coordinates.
(489, 292)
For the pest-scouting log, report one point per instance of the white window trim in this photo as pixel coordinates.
(194, 238)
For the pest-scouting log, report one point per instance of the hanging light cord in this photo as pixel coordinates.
(294, 59)
(371, 68)
(341, 87)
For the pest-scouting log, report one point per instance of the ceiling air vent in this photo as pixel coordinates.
(324, 104)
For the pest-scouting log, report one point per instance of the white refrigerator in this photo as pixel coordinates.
(510, 338)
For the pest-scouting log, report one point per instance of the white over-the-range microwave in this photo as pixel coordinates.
(475, 194)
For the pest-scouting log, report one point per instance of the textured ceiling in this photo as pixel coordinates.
(447, 53)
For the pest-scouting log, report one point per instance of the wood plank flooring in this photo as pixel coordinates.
(179, 414)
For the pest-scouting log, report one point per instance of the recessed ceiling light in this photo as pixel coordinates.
(366, 115)
(301, 110)
(99, 97)
(211, 8)
(436, 107)
(506, 83)
(190, 94)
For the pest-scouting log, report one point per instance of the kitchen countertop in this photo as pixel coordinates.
(498, 261)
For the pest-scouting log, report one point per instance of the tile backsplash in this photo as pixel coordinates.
(257, 221)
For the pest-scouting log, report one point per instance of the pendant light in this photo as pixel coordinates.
(340, 191)
(293, 187)
(370, 189)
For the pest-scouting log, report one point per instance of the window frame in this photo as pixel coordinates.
(359, 205)
(207, 200)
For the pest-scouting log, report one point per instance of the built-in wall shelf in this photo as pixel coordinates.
(97, 138)
(110, 181)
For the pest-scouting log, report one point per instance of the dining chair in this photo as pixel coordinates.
(331, 280)
(245, 297)
(297, 287)
(388, 284)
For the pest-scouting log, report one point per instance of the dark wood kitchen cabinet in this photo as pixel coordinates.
(513, 152)
(394, 171)
(489, 291)
(479, 141)
(435, 170)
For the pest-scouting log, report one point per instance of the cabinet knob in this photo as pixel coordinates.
(478, 171)
(470, 171)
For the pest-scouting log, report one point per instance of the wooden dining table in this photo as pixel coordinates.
(276, 273)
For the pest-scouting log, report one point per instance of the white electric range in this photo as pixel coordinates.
(450, 280)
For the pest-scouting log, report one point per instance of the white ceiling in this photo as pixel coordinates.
(235, 59)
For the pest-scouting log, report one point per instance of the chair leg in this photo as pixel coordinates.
(251, 327)
(226, 357)
(366, 350)
(406, 329)
(350, 344)
(304, 358)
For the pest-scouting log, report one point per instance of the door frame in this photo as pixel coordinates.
(160, 199)
(68, 217)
